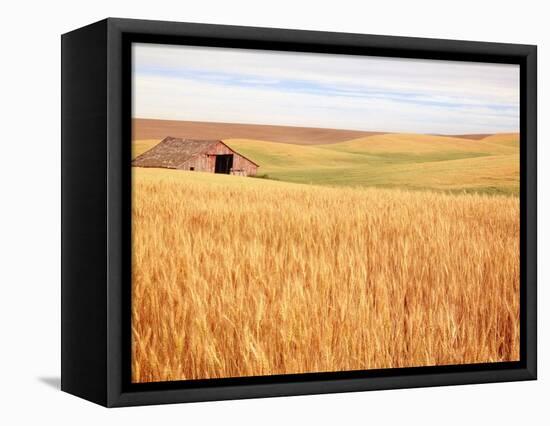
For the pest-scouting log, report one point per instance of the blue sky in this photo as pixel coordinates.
(319, 90)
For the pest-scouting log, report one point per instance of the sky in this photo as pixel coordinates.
(229, 85)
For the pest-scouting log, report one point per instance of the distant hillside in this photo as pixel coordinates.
(472, 136)
(417, 144)
(159, 129)
(506, 139)
(407, 161)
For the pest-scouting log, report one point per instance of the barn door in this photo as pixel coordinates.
(224, 163)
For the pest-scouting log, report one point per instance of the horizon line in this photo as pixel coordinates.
(330, 128)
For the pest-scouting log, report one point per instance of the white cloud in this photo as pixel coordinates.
(319, 90)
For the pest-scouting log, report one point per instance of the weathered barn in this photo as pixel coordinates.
(200, 155)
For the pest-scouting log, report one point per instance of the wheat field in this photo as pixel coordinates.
(239, 277)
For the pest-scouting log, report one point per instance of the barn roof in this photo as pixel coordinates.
(173, 152)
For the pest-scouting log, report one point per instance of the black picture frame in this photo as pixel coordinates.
(96, 238)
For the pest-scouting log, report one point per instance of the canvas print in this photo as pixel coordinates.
(305, 213)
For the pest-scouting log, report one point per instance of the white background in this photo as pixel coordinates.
(30, 211)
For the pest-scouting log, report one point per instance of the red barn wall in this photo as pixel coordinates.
(206, 162)
(242, 166)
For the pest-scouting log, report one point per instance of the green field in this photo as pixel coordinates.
(408, 161)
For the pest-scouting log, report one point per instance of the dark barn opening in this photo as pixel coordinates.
(224, 163)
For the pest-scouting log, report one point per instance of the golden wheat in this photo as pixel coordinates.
(244, 277)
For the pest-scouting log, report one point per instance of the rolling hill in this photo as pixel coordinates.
(409, 161)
